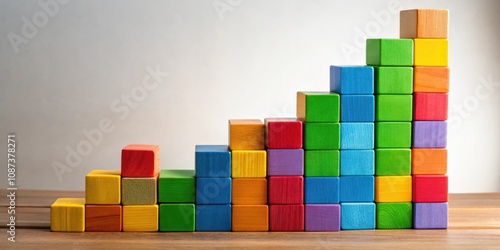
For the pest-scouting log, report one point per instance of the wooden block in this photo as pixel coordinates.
(249, 191)
(430, 106)
(429, 161)
(423, 23)
(357, 216)
(285, 190)
(178, 217)
(430, 215)
(250, 218)
(246, 134)
(321, 136)
(140, 218)
(357, 135)
(213, 191)
(68, 215)
(98, 180)
(389, 52)
(321, 190)
(139, 191)
(176, 186)
(357, 162)
(429, 134)
(356, 188)
(393, 161)
(351, 80)
(212, 161)
(140, 160)
(285, 162)
(394, 108)
(213, 217)
(103, 218)
(431, 79)
(431, 52)
(286, 217)
(394, 80)
(318, 106)
(321, 163)
(322, 217)
(394, 215)
(283, 133)
(430, 188)
(393, 189)
(357, 108)
(249, 163)
(392, 134)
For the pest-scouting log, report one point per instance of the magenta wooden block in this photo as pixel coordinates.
(322, 217)
(285, 162)
(430, 215)
(429, 134)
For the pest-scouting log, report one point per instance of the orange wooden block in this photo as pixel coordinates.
(249, 191)
(103, 218)
(423, 23)
(250, 218)
(429, 161)
(246, 134)
(431, 79)
(140, 160)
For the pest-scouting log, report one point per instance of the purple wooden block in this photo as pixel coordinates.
(429, 134)
(430, 215)
(285, 162)
(322, 217)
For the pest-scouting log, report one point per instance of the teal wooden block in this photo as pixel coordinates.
(321, 136)
(357, 135)
(321, 163)
(392, 134)
(357, 216)
(351, 80)
(394, 80)
(394, 107)
(393, 161)
(176, 186)
(357, 108)
(318, 106)
(389, 52)
(394, 215)
(357, 162)
(177, 217)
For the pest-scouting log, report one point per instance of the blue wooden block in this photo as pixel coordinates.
(352, 80)
(321, 190)
(213, 191)
(357, 162)
(213, 217)
(357, 108)
(357, 216)
(357, 135)
(357, 188)
(213, 161)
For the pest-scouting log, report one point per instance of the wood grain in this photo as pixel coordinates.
(140, 160)
(246, 134)
(424, 23)
(393, 188)
(430, 106)
(99, 180)
(431, 79)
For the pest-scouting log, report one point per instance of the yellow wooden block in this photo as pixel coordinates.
(248, 163)
(431, 52)
(68, 215)
(103, 187)
(393, 189)
(246, 134)
(142, 218)
(423, 23)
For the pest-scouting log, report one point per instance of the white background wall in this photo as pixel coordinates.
(225, 59)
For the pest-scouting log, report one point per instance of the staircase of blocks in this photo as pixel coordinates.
(369, 154)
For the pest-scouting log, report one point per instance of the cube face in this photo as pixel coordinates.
(431, 52)
(285, 162)
(424, 23)
(177, 217)
(394, 215)
(283, 133)
(249, 191)
(286, 217)
(322, 217)
(321, 136)
(429, 134)
(393, 189)
(213, 218)
(321, 190)
(140, 218)
(394, 80)
(140, 160)
(213, 191)
(430, 188)
(249, 163)
(357, 162)
(98, 180)
(357, 108)
(430, 106)
(212, 161)
(68, 215)
(356, 189)
(176, 186)
(284, 190)
(318, 106)
(393, 162)
(351, 80)
(139, 191)
(393, 134)
(357, 135)
(250, 218)
(321, 163)
(246, 134)
(430, 215)
(394, 107)
(357, 216)
(103, 218)
(389, 52)
(429, 161)
(431, 79)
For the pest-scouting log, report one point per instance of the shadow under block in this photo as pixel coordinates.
(393, 161)
(249, 163)
(389, 52)
(357, 108)
(212, 161)
(394, 215)
(357, 216)
(321, 190)
(429, 134)
(103, 218)
(394, 80)
(430, 188)
(431, 79)
(177, 217)
(392, 134)
(246, 134)
(103, 187)
(139, 191)
(283, 133)
(430, 106)
(68, 215)
(213, 191)
(357, 135)
(249, 191)
(321, 163)
(285, 190)
(213, 217)
(393, 189)
(429, 161)
(250, 218)
(431, 52)
(318, 107)
(397, 108)
(285, 162)
(322, 217)
(356, 189)
(321, 136)
(430, 215)
(351, 80)
(140, 218)
(140, 161)
(286, 217)
(423, 23)
(357, 162)
(176, 186)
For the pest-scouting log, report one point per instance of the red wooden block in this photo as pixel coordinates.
(286, 217)
(283, 133)
(430, 106)
(140, 160)
(285, 190)
(103, 218)
(430, 188)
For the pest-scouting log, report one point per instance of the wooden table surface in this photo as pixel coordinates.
(474, 223)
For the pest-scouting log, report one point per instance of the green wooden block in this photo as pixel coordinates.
(394, 215)
(389, 52)
(176, 186)
(177, 217)
(393, 161)
(393, 107)
(321, 136)
(318, 106)
(394, 80)
(139, 191)
(393, 134)
(321, 163)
